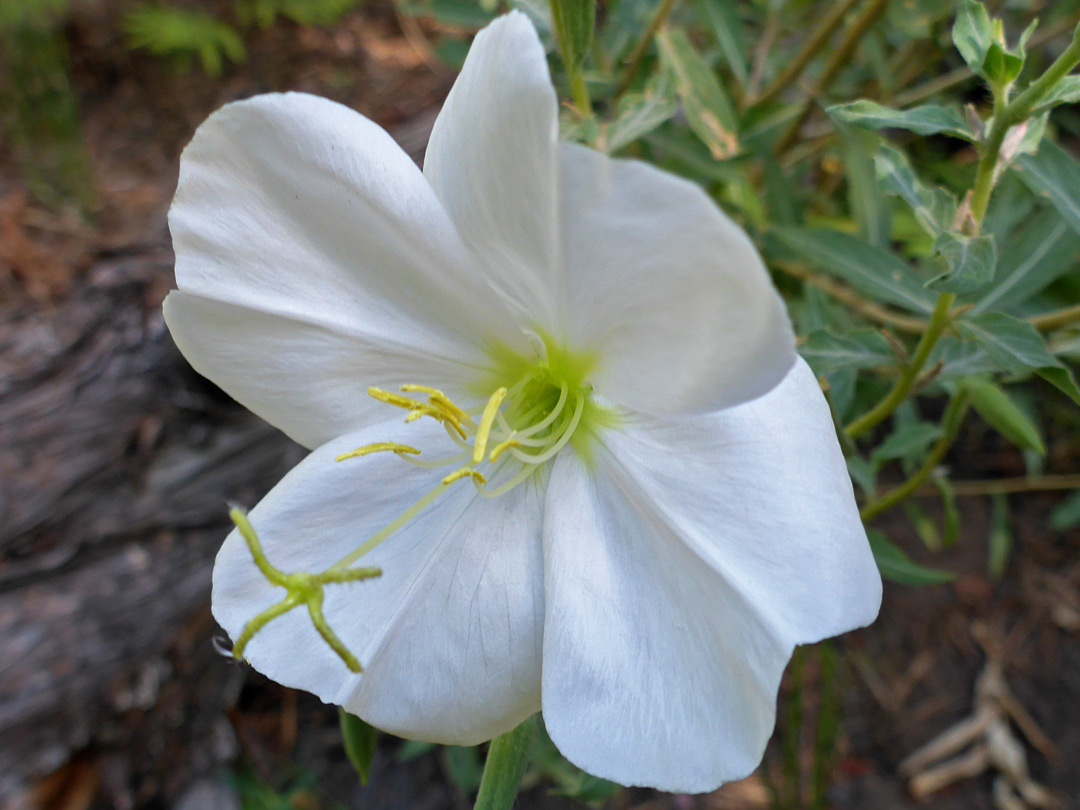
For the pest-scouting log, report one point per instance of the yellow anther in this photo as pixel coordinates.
(390, 398)
(437, 398)
(448, 419)
(465, 472)
(483, 431)
(379, 447)
(503, 446)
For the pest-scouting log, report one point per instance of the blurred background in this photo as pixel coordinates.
(117, 460)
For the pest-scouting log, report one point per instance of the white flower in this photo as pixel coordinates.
(675, 514)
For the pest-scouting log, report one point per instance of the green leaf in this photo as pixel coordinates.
(862, 472)
(1066, 91)
(972, 33)
(1001, 538)
(1053, 174)
(1036, 254)
(969, 262)
(897, 566)
(780, 195)
(866, 348)
(574, 21)
(908, 442)
(639, 114)
(724, 23)
(707, 107)
(360, 741)
(928, 119)
(950, 513)
(934, 207)
(1001, 66)
(1067, 513)
(465, 767)
(961, 358)
(999, 411)
(1017, 347)
(870, 270)
(867, 199)
(168, 31)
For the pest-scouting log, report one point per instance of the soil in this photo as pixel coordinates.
(116, 461)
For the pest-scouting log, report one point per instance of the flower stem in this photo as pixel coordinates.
(507, 757)
(637, 56)
(954, 416)
(939, 320)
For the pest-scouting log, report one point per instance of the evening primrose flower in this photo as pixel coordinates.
(553, 397)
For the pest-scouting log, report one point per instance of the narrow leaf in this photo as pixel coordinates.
(934, 207)
(999, 410)
(1036, 254)
(640, 113)
(969, 262)
(360, 742)
(1055, 175)
(707, 108)
(866, 348)
(574, 21)
(872, 271)
(1066, 514)
(895, 565)
(1001, 538)
(1017, 347)
(908, 442)
(1066, 91)
(972, 33)
(726, 27)
(927, 119)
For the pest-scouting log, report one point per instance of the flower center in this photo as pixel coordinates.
(497, 446)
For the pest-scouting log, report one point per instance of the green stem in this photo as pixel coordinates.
(506, 760)
(939, 320)
(1027, 101)
(637, 56)
(986, 171)
(580, 92)
(1008, 115)
(810, 48)
(954, 416)
(1056, 319)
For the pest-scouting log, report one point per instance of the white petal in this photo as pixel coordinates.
(680, 572)
(449, 636)
(307, 379)
(655, 671)
(667, 291)
(492, 159)
(300, 208)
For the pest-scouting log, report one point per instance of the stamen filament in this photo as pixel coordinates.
(484, 430)
(564, 391)
(579, 408)
(391, 527)
(457, 458)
